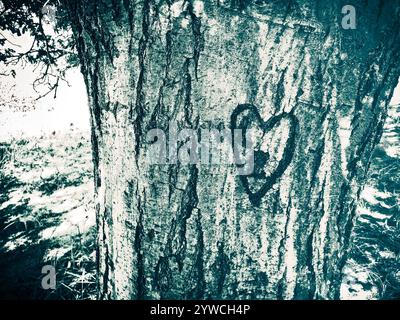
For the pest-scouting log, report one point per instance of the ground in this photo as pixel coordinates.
(373, 271)
(47, 218)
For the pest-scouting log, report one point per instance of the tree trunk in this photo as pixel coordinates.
(318, 92)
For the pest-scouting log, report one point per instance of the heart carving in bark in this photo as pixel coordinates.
(258, 183)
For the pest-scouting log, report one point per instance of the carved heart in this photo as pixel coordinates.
(260, 157)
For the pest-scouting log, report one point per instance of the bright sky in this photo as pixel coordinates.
(68, 111)
(396, 95)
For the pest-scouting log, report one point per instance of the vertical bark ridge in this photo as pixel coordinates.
(177, 231)
(138, 112)
(139, 237)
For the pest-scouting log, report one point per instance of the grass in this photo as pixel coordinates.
(376, 236)
(47, 218)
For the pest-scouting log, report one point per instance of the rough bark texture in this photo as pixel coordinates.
(198, 231)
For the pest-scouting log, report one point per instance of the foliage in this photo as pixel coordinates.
(52, 49)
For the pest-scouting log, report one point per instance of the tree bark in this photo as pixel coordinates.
(194, 231)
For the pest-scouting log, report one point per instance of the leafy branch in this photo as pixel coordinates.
(52, 50)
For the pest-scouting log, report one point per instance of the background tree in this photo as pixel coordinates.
(194, 231)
